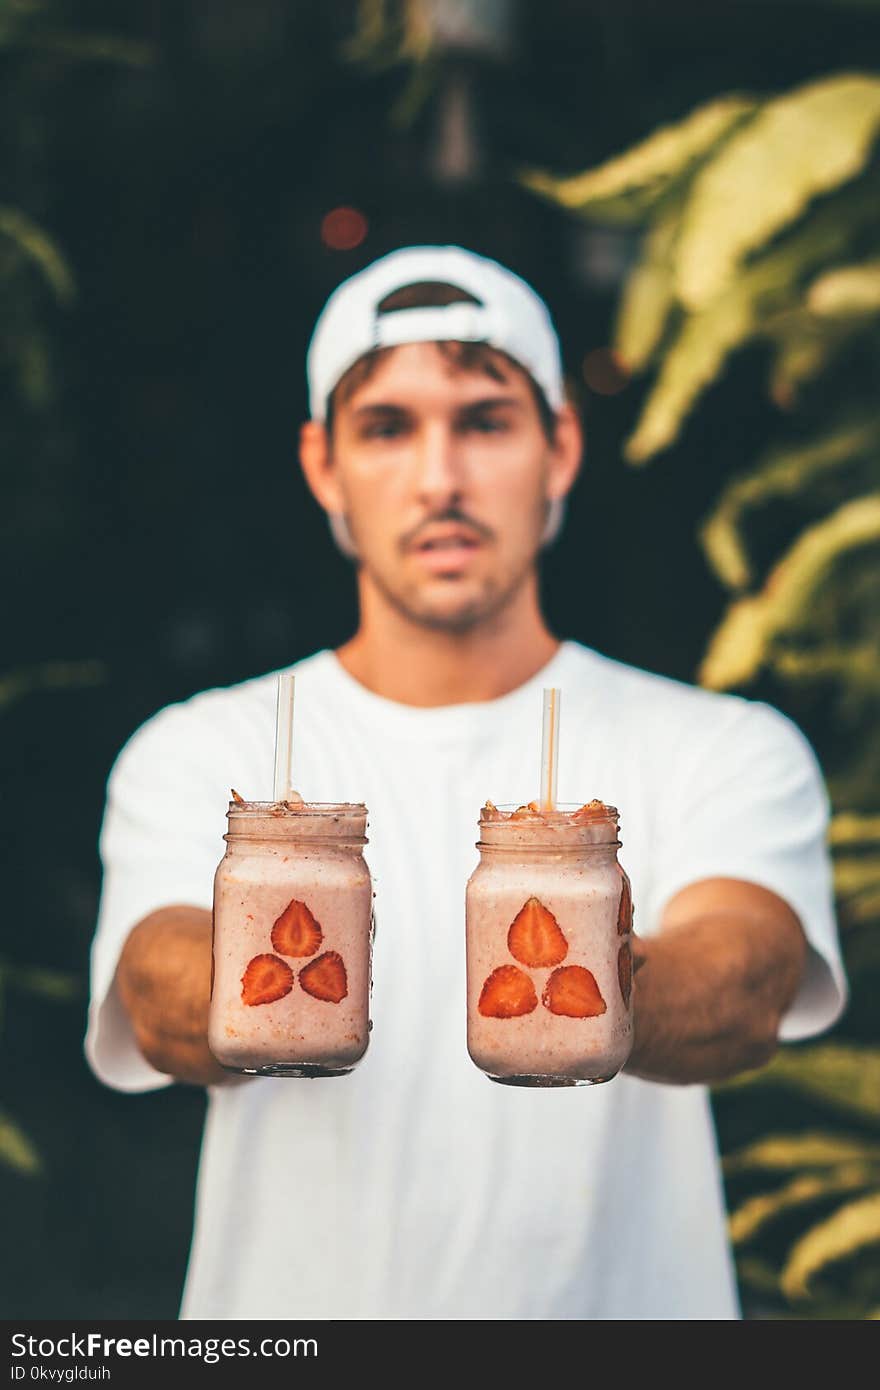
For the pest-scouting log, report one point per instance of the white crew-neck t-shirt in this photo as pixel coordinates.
(416, 1188)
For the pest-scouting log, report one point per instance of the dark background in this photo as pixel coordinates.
(155, 524)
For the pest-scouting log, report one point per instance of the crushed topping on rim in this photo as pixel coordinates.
(294, 802)
(591, 810)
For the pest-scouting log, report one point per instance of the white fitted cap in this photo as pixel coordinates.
(510, 316)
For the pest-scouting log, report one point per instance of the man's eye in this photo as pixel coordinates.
(486, 425)
(387, 429)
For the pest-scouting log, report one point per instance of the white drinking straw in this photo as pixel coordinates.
(550, 747)
(284, 740)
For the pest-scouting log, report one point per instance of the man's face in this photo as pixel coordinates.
(442, 474)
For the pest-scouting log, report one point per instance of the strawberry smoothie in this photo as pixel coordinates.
(293, 932)
(549, 960)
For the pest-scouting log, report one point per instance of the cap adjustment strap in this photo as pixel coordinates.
(466, 323)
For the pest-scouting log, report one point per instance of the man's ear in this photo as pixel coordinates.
(317, 465)
(566, 452)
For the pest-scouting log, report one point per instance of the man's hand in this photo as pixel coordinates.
(164, 980)
(711, 987)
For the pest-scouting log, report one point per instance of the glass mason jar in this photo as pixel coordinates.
(292, 941)
(549, 959)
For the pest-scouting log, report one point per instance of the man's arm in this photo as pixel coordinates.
(164, 980)
(710, 987)
(713, 984)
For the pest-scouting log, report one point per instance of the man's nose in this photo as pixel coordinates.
(439, 469)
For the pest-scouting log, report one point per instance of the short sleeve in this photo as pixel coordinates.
(754, 806)
(160, 842)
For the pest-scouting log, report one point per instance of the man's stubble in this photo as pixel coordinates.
(481, 610)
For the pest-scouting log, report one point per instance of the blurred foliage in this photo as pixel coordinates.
(17, 1150)
(32, 264)
(30, 260)
(24, 349)
(747, 202)
(50, 675)
(422, 39)
(392, 34)
(389, 32)
(811, 1171)
(843, 1076)
(760, 227)
(32, 24)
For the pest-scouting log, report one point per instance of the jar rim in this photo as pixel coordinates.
(560, 814)
(324, 809)
(545, 847)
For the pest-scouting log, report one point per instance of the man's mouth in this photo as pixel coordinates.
(453, 543)
(447, 548)
(447, 538)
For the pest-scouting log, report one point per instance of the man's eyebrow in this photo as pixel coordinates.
(492, 403)
(379, 408)
(388, 409)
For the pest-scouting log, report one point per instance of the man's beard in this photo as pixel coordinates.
(481, 609)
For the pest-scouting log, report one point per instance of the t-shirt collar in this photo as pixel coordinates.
(453, 720)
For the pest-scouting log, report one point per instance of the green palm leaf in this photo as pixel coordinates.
(690, 365)
(756, 1212)
(649, 295)
(848, 290)
(799, 145)
(42, 983)
(40, 249)
(95, 48)
(849, 1230)
(748, 307)
(842, 1075)
(848, 828)
(812, 1149)
(623, 188)
(757, 1274)
(741, 644)
(781, 473)
(854, 665)
(805, 347)
(853, 876)
(16, 1149)
(50, 675)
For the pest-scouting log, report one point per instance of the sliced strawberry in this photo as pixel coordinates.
(625, 906)
(535, 937)
(266, 978)
(297, 932)
(507, 993)
(625, 971)
(572, 990)
(325, 978)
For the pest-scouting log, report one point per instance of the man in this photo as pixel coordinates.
(441, 446)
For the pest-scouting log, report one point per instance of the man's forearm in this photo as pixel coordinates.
(709, 996)
(164, 980)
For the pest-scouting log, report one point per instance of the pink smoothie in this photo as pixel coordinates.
(548, 948)
(292, 941)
